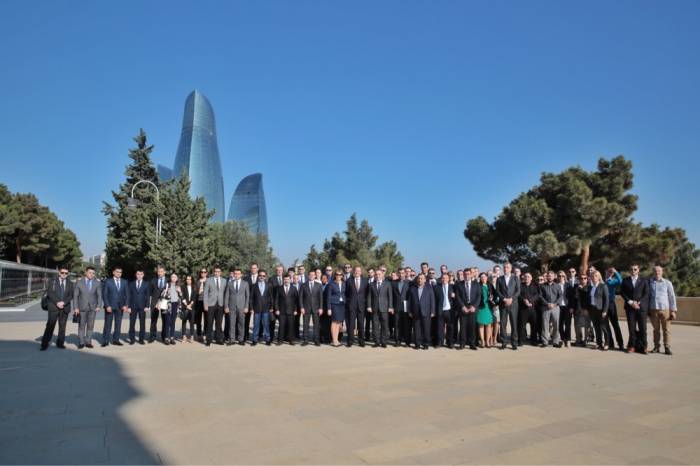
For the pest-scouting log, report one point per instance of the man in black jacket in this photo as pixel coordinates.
(380, 303)
(527, 310)
(262, 306)
(286, 308)
(355, 305)
(468, 297)
(508, 290)
(158, 284)
(311, 307)
(402, 318)
(635, 293)
(59, 295)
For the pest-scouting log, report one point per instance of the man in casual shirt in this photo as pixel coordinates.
(550, 297)
(662, 309)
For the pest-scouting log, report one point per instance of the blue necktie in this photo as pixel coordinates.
(89, 285)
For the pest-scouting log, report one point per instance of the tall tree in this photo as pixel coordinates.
(566, 213)
(129, 230)
(234, 245)
(357, 245)
(185, 240)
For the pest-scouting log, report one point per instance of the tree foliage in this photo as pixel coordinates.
(30, 233)
(358, 246)
(234, 245)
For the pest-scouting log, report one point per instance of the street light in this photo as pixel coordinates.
(133, 203)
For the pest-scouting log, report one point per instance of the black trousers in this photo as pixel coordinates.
(188, 317)
(154, 323)
(380, 325)
(637, 327)
(246, 325)
(600, 326)
(286, 331)
(355, 317)
(510, 314)
(566, 317)
(214, 316)
(297, 322)
(526, 315)
(198, 317)
(421, 327)
(467, 328)
(368, 327)
(273, 322)
(538, 327)
(60, 316)
(313, 317)
(325, 323)
(615, 323)
(445, 327)
(403, 328)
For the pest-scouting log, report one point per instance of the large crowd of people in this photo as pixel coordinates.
(460, 309)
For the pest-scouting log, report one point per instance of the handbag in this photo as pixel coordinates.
(45, 299)
(76, 318)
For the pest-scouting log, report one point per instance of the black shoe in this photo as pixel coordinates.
(131, 342)
(656, 350)
(81, 346)
(166, 342)
(141, 342)
(89, 345)
(43, 347)
(349, 345)
(383, 345)
(268, 343)
(542, 345)
(279, 343)
(668, 351)
(376, 345)
(103, 345)
(304, 343)
(291, 343)
(416, 347)
(558, 345)
(118, 343)
(208, 343)
(254, 343)
(317, 343)
(503, 346)
(60, 345)
(515, 347)
(151, 340)
(425, 347)
(362, 344)
(242, 343)
(172, 341)
(460, 347)
(472, 347)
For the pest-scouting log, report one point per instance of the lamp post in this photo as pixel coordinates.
(133, 203)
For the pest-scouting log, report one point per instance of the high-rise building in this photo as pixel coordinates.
(248, 204)
(198, 155)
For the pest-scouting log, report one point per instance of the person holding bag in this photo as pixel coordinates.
(169, 304)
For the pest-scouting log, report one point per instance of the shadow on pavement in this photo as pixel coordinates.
(64, 407)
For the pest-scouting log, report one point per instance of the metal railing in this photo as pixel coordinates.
(21, 283)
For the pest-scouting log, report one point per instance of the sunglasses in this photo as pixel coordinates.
(63, 273)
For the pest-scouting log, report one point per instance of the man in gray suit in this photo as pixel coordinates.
(87, 301)
(214, 290)
(380, 304)
(508, 290)
(236, 302)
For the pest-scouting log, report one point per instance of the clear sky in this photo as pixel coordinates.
(417, 115)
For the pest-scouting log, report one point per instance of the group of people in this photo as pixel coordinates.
(466, 308)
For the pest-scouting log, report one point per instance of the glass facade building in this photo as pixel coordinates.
(248, 204)
(198, 155)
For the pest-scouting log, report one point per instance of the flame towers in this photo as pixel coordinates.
(198, 155)
(248, 204)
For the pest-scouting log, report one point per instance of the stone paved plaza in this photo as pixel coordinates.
(279, 405)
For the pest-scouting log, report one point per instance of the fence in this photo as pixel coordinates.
(20, 283)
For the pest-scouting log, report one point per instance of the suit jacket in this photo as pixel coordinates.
(251, 282)
(463, 299)
(212, 295)
(237, 301)
(111, 297)
(334, 294)
(550, 293)
(55, 295)
(600, 300)
(512, 290)
(530, 292)
(139, 299)
(423, 305)
(400, 288)
(156, 291)
(570, 294)
(356, 298)
(287, 303)
(311, 301)
(262, 302)
(439, 296)
(85, 299)
(382, 299)
(637, 292)
(191, 297)
(275, 282)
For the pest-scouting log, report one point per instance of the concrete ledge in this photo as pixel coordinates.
(21, 307)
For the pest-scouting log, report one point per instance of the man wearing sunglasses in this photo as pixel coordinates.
(59, 295)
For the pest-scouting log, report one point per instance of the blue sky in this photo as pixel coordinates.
(417, 115)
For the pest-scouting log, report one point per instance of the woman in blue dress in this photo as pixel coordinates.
(335, 305)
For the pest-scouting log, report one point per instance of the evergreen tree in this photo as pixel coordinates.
(129, 231)
(234, 245)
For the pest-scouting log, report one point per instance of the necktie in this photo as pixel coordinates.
(286, 289)
(160, 283)
(63, 289)
(235, 288)
(357, 283)
(217, 284)
(89, 285)
(138, 285)
(420, 292)
(311, 286)
(117, 284)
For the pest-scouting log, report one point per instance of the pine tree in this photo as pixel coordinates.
(129, 230)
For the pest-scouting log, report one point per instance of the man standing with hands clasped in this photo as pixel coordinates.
(508, 290)
(115, 294)
(379, 305)
(236, 301)
(60, 295)
(87, 301)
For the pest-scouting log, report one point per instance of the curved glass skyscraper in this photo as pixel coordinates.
(198, 154)
(248, 204)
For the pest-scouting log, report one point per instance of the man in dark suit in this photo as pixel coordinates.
(251, 279)
(158, 284)
(59, 295)
(262, 306)
(422, 305)
(635, 293)
(286, 309)
(355, 305)
(402, 325)
(380, 303)
(508, 290)
(276, 283)
(468, 300)
(115, 297)
(445, 310)
(139, 294)
(311, 303)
